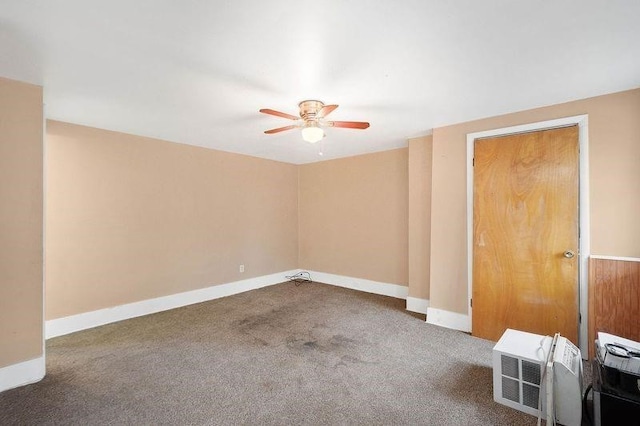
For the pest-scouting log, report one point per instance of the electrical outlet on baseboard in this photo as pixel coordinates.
(241, 268)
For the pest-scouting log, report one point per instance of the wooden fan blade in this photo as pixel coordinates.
(326, 110)
(348, 124)
(280, 129)
(279, 114)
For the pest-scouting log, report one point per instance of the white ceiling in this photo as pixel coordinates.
(198, 71)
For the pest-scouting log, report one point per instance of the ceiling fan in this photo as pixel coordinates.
(312, 119)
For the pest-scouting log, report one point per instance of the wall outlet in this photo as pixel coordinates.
(241, 268)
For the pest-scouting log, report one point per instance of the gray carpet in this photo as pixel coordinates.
(281, 355)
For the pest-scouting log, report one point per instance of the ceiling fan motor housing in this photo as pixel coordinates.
(309, 109)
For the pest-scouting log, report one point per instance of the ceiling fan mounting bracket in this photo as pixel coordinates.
(309, 109)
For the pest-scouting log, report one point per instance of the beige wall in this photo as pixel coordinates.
(21, 220)
(132, 218)
(419, 231)
(614, 158)
(353, 216)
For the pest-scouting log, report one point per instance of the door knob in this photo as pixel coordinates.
(569, 254)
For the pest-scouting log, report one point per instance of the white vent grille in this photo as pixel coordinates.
(510, 389)
(530, 395)
(531, 372)
(520, 381)
(510, 367)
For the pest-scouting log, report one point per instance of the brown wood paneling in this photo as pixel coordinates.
(614, 299)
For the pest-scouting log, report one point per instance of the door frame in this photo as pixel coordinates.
(582, 121)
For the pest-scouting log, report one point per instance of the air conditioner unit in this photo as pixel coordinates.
(532, 372)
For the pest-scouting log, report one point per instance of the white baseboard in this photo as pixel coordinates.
(368, 286)
(66, 325)
(23, 373)
(417, 305)
(449, 319)
(73, 323)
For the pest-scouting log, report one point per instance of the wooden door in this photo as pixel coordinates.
(525, 234)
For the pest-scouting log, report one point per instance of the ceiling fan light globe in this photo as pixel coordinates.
(312, 134)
